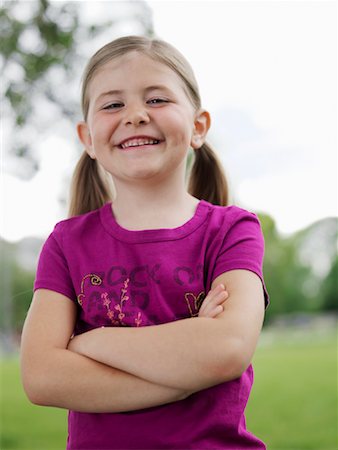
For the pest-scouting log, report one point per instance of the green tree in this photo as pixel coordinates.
(288, 278)
(22, 293)
(330, 289)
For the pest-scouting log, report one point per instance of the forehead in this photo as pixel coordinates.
(133, 69)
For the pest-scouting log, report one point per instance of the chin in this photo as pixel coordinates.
(145, 175)
(137, 175)
(144, 172)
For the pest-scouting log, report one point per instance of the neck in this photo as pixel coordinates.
(164, 205)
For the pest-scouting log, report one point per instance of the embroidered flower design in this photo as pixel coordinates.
(119, 307)
(105, 298)
(110, 314)
(138, 319)
(115, 312)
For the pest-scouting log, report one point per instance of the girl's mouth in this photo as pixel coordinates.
(134, 143)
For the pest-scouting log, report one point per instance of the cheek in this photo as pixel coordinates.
(181, 130)
(181, 140)
(102, 129)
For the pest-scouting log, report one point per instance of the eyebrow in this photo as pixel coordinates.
(120, 91)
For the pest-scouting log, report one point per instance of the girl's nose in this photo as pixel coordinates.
(136, 115)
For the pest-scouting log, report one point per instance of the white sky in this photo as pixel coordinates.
(268, 74)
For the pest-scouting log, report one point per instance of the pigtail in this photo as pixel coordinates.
(91, 187)
(207, 180)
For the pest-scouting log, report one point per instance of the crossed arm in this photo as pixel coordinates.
(155, 365)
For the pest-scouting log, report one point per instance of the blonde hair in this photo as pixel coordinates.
(91, 187)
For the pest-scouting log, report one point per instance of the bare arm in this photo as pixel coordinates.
(55, 376)
(192, 353)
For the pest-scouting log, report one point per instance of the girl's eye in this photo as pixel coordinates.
(114, 105)
(156, 101)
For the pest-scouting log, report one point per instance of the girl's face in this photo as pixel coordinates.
(140, 122)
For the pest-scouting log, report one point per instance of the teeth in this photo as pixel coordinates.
(137, 142)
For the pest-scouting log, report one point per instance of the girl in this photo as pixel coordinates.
(131, 327)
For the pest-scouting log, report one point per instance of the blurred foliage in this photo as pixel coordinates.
(22, 291)
(40, 41)
(16, 284)
(283, 274)
(330, 291)
(55, 47)
(292, 268)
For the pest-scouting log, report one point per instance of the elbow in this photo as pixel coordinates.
(240, 366)
(34, 397)
(35, 386)
(236, 362)
(34, 390)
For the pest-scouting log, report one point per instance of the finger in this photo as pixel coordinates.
(215, 312)
(211, 295)
(218, 310)
(215, 301)
(214, 296)
(206, 302)
(219, 288)
(212, 301)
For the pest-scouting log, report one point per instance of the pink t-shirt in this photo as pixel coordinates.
(119, 277)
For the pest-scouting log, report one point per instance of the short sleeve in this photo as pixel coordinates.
(242, 248)
(52, 271)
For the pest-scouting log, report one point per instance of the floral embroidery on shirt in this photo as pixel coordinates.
(117, 316)
(118, 307)
(194, 303)
(138, 319)
(95, 280)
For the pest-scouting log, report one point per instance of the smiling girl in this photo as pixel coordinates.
(150, 299)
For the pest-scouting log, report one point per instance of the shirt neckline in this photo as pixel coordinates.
(162, 234)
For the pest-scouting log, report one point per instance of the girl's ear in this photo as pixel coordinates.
(84, 136)
(201, 127)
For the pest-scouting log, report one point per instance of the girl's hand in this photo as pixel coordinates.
(212, 304)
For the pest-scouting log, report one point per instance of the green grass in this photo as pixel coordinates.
(23, 425)
(293, 405)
